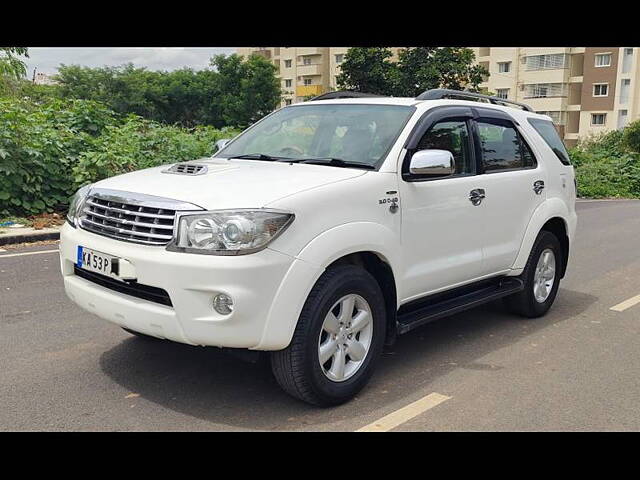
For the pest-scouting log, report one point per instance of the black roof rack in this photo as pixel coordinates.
(439, 93)
(343, 94)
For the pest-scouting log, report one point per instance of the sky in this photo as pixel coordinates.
(47, 59)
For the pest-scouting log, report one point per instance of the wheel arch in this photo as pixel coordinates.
(367, 244)
(552, 215)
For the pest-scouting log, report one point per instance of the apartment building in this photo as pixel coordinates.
(304, 71)
(585, 90)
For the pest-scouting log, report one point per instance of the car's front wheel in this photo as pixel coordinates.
(337, 341)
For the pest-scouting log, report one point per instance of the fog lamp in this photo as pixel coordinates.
(223, 304)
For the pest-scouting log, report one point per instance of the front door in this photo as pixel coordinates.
(440, 224)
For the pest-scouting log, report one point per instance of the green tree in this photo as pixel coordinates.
(417, 69)
(248, 89)
(10, 65)
(368, 69)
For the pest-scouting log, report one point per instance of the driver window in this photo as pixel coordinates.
(451, 135)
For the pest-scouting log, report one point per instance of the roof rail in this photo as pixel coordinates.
(439, 93)
(343, 94)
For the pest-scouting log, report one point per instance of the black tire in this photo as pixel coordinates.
(297, 368)
(141, 335)
(524, 303)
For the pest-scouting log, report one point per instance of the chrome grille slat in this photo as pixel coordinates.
(130, 212)
(133, 233)
(129, 222)
(131, 217)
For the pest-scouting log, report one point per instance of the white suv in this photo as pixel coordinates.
(328, 228)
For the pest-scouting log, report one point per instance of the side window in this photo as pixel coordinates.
(502, 147)
(550, 135)
(451, 135)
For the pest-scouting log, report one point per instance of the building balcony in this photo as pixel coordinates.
(263, 53)
(310, 50)
(312, 69)
(308, 90)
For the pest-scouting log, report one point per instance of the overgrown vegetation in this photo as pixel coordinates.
(49, 149)
(608, 165)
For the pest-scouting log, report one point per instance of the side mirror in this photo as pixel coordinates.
(437, 163)
(220, 144)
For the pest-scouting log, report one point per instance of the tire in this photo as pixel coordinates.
(297, 368)
(141, 335)
(525, 302)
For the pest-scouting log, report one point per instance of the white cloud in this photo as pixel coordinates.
(48, 59)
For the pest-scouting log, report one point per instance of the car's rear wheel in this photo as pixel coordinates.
(337, 341)
(541, 277)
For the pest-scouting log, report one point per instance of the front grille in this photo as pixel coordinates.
(126, 221)
(135, 289)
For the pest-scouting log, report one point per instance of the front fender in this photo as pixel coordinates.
(550, 208)
(311, 262)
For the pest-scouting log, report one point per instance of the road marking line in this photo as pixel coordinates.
(405, 414)
(621, 307)
(28, 253)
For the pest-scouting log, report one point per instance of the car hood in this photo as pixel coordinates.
(230, 183)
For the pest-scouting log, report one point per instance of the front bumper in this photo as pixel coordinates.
(256, 282)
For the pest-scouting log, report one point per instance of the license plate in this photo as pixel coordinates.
(97, 261)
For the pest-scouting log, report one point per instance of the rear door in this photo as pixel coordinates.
(513, 182)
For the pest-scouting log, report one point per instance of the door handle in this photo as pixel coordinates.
(538, 186)
(476, 196)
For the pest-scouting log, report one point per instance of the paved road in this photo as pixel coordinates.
(575, 369)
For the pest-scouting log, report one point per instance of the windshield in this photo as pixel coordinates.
(353, 133)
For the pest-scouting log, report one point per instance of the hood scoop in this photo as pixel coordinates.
(187, 169)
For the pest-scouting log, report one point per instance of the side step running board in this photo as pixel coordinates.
(427, 310)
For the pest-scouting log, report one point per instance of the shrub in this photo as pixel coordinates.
(631, 137)
(139, 143)
(51, 148)
(39, 146)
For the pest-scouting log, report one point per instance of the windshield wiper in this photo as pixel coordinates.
(259, 156)
(334, 162)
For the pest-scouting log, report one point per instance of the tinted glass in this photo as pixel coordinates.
(454, 137)
(550, 135)
(502, 147)
(352, 132)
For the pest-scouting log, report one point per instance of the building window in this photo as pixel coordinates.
(339, 58)
(306, 60)
(504, 67)
(307, 81)
(502, 93)
(547, 62)
(543, 90)
(623, 118)
(603, 60)
(287, 82)
(625, 86)
(598, 118)
(627, 60)
(287, 64)
(600, 89)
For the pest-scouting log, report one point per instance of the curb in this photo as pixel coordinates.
(33, 237)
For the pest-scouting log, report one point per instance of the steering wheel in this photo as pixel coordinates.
(291, 150)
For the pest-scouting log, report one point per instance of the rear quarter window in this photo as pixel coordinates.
(550, 135)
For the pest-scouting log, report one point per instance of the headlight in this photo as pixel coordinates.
(76, 204)
(228, 232)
